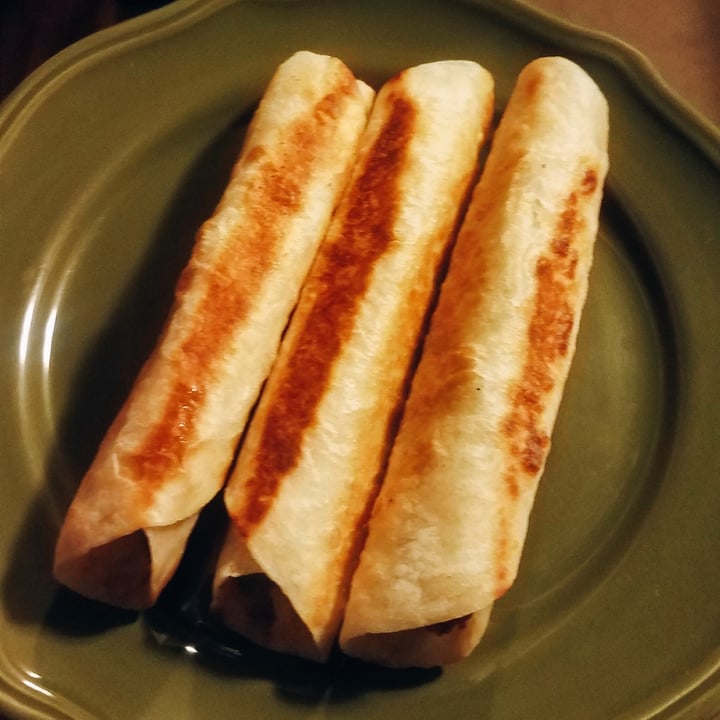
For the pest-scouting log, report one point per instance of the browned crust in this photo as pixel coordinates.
(555, 313)
(230, 282)
(337, 285)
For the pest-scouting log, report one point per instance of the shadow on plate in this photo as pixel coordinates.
(181, 624)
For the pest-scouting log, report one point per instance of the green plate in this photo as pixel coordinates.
(111, 155)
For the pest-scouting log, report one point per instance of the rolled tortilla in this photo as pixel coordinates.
(309, 466)
(169, 449)
(449, 525)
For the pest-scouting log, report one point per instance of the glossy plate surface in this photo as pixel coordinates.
(110, 157)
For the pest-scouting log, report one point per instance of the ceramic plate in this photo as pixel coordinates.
(112, 154)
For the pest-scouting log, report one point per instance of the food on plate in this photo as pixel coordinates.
(449, 524)
(314, 452)
(381, 492)
(169, 449)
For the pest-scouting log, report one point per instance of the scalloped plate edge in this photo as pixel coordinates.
(638, 69)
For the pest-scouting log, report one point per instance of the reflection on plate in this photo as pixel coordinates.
(112, 154)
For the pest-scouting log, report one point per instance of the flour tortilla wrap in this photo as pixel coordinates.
(309, 466)
(448, 527)
(169, 449)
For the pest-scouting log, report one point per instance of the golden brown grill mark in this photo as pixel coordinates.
(502, 552)
(337, 285)
(532, 87)
(234, 277)
(549, 333)
(589, 182)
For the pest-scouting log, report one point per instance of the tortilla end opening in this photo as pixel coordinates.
(117, 573)
(255, 607)
(428, 646)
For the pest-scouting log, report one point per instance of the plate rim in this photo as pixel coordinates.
(645, 79)
(686, 121)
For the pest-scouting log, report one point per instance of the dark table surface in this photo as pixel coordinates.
(31, 31)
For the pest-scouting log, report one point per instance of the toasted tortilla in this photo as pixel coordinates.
(169, 450)
(308, 470)
(447, 530)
